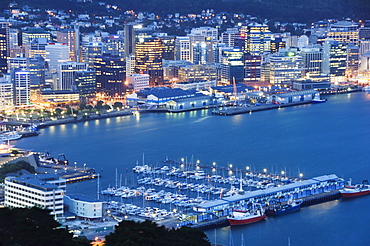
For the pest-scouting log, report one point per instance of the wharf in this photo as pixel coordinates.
(261, 107)
(307, 201)
(71, 174)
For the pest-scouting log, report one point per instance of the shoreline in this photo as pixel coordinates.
(226, 111)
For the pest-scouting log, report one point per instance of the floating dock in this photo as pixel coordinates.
(245, 110)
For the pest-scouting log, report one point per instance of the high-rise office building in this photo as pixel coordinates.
(183, 48)
(114, 45)
(85, 82)
(67, 74)
(56, 53)
(232, 62)
(252, 68)
(344, 32)
(168, 47)
(285, 67)
(257, 39)
(71, 38)
(149, 59)
(312, 61)
(353, 60)
(36, 47)
(129, 39)
(110, 74)
(191, 73)
(21, 87)
(334, 60)
(35, 33)
(4, 46)
(6, 93)
(228, 37)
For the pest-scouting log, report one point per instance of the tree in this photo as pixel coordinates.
(13, 168)
(33, 226)
(58, 111)
(99, 105)
(117, 105)
(149, 233)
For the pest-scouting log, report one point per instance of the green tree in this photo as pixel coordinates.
(13, 168)
(117, 105)
(58, 111)
(33, 226)
(99, 105)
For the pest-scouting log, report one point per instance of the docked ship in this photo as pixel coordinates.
(246, 216)
(289, 207)
(9, 136)
(356, 190)
(318, 100)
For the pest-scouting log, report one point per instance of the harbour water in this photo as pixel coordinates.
(312, 139)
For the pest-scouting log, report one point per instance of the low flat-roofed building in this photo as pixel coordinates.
(199, 100)
(293, 96)
(60, 96)
(309, 85)
(197, 85)
(84, 206)
(36, 190)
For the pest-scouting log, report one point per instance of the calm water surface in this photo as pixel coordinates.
(313, 139)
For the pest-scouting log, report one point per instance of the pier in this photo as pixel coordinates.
(250, 109)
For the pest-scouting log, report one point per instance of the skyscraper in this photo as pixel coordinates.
(149, 59)
(4, 46)
(67, 72)
(257, 39)
(110, 74)
(334, 60)
(56, 53)
(285, 67)
(69, 37)
(183, 48)
(21, 85)
(232, 62)
(129, 39)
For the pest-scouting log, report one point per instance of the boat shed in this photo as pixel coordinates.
(199, 100)
(160, 95)
(293, 96)
(211, 206)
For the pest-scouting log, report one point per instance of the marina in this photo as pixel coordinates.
(297, 141)
(183, 196)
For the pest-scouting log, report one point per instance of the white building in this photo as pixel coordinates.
(56, 53)
(83, 206)
(138, 81)
(198, 85)
(284, 67)
(41, 190)
(67, 72)
(294, 96)
(21, 88)
(183, 48)
(6, 93)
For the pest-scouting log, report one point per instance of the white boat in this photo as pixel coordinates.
(9, 136)
(366, 88)
(318, 100)
(5, 146)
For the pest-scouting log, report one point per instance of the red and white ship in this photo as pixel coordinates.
(246, 216)
(356, 190)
